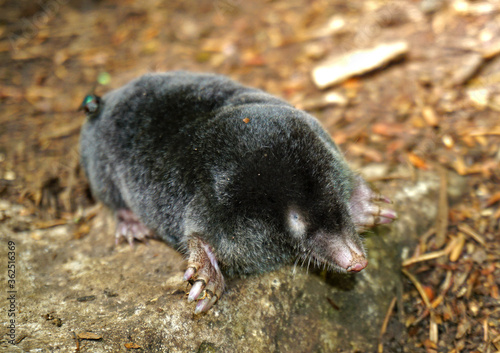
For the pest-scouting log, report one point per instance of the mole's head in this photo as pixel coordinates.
(291, 195)
(294, 209)
(326, 236)
(318, 222)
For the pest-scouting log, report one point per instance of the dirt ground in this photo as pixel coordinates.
(435, 108)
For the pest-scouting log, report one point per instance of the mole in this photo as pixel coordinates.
(238, 180)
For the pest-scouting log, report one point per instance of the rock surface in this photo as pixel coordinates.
(136, 297)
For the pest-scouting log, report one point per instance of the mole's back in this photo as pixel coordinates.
(136, 150)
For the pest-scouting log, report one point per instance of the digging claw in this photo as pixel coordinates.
(189, 273)
(195, 291)
(205, 304)
(203, 269)
(365, 207)
(381, 220)
(382, 198)
(388, 214)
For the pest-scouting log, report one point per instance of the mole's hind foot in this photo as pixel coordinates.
(130, 227)
(204, 274)
(365, 208)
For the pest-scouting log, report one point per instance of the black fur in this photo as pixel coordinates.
(177, 149)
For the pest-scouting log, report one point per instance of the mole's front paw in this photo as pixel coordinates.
(204, 274)
(365, 208)
(130, 227)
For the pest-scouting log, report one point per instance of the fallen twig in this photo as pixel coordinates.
(418, 286)
(385, 323)
(430, 255)
(472, 233)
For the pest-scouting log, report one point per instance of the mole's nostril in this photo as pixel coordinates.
(358, 266)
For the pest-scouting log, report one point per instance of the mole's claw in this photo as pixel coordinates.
(130, 239)
(130, 227)
(365, 207)
(204, 270)
(388, 213)
(205, 304)
(189, 273)
(382, 220)
(196, 290)
(383, 198)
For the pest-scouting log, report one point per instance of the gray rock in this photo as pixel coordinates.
(140, 296)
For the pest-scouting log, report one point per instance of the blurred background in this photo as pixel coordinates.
(417, 90)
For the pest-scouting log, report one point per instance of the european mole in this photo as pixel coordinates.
(239, 180)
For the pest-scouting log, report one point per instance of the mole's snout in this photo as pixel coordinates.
(358, 266)
(348, 255)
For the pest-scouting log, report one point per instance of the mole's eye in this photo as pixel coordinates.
(90, 104)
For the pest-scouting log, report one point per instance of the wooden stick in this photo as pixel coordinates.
(418, 286)
(472, 233)
(385, 323)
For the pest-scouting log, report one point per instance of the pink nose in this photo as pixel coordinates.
(358, 266)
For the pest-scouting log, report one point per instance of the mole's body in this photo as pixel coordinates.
(238, 179)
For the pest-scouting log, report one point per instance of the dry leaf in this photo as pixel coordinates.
(131, 345)
(417, 162)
